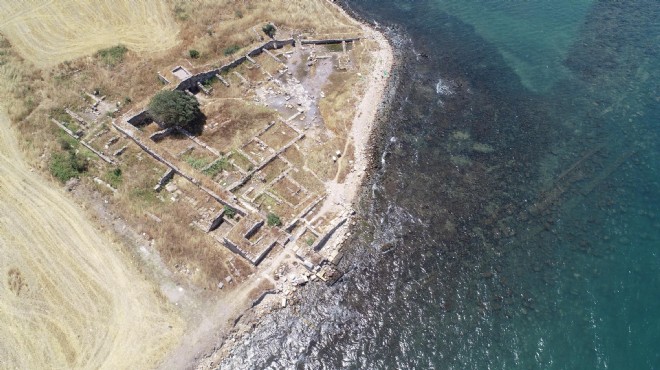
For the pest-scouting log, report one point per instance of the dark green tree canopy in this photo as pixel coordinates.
(269, 29)
(174, 108)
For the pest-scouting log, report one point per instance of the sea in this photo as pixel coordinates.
(511, 219)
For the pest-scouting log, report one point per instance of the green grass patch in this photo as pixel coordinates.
(112, 56)
(144, 196)
(114, 178)
(334, 47)
(229, 50)
(67, 165)
(196, 163)
(216, 167)
(208, 83)
(241, 161)
(60, 115)
(66, 142)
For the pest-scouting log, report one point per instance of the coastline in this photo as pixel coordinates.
(362, 129)
(364, 126)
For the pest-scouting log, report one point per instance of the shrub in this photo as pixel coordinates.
(208, 83)
(67, 165)
(180, 13)
(67, 143)
(193, 53)
(114, 177)
(269, 29)
(229, 50)
(174, 108)
(112, 56)
(274, 220)
(230, 212)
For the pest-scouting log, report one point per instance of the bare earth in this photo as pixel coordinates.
(363, 124)
(68, 297)
(50, 32)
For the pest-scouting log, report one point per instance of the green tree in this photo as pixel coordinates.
(193, 53)
(174, 108)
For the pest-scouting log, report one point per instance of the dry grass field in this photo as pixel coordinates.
(68, 297)
(50, 32)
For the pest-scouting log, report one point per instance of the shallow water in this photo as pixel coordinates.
(518, 197)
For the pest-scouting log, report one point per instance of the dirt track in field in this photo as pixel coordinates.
(49, 32)
(68, 297)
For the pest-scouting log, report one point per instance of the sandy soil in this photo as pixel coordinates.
(345, 193)
(49, 32)
(68, 297)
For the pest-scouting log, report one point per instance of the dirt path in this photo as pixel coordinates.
(197, 347)
(345, 193)
(68, 297)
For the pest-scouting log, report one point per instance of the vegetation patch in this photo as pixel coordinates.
(67, 165)
(216, 167)
(231, 49)
(114, 178)
(69, 162)
(230, 212)
(112, 56)
(334, 47)
(174, 108)
(208, 83)
(269, 29)
(143, 195)
(274, 220)
(195, 162)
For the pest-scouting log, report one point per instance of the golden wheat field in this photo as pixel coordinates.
(68, 297)
(50, 32)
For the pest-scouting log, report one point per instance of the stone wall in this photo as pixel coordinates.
(328, 41)
(140, 119)
(192, 81)
(324, 239)
(224, 200)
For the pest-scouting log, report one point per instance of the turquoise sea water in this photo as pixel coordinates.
(514, 219)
